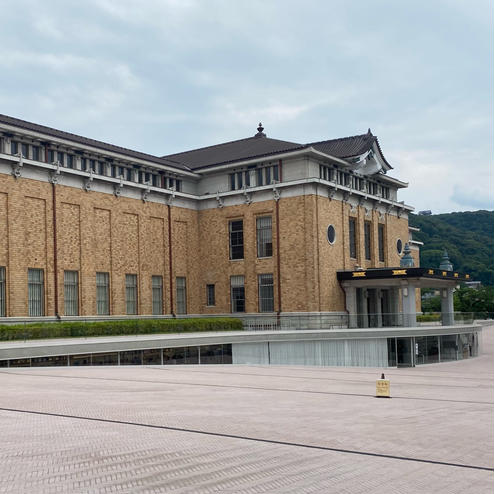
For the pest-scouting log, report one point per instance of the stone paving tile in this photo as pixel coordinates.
(438, 412)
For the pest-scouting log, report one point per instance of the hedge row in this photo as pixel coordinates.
(428, 317)
(66, 329)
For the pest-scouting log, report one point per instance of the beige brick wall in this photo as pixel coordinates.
(100, 232)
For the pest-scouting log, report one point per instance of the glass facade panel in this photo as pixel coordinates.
(110, 358)
(392, 352)
(236, 229)
(71, 292)
(266, 293)
(20, 362)
(131, 357)
(58, 360)
(102, 294)
(180, 356)
(448, 347)
(83, 359)
(36, 292)
(264, 237)
(181, 288)
(211, 354)
(131, 293)
(157, 288)
(151, 357)
(237, 293)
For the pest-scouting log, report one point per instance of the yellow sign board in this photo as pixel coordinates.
(358, 274)
(399, 271)
(382, 388)
(431, 271)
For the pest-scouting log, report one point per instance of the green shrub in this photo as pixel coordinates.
(68, 329)
(428, 317)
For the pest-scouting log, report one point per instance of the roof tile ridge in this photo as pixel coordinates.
(341, 139)
(226, 143)
(75, 135)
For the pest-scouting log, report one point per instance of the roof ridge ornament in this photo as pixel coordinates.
(260, 132)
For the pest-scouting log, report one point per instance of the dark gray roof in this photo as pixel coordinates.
(346, 147)
(228, 152)
(261, 146)
(48, 131)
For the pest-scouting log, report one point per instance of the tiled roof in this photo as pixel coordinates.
(48, 131)
(261, 146)
(228, 152)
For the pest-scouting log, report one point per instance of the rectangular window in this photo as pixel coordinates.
(181, 286)
(259, 176)
(101, 168)
(178, 185)
(380, 238)
(210, 297)
(71, 292)
(237, 293)
(102, 294)
(267, 171)
(276, 173)
(84, 164)
(129, 175)
(92, 165)
(3, 304)
(131, 293)
(36, 153)
(236, 239)
(240, 180)
(70, 161)
(25, 150)
(60, 158)
(157, 287)
(264, 237)
(35, 292)
(367, 240)
(232, 181)
(51, 156)
(353, 238)
(14, 147)
(266, 293)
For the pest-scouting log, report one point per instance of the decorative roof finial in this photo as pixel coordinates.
(407, 260)
(369, 133)
(260, 131)
(445, 262)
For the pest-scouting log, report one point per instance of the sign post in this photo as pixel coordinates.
(382, 388)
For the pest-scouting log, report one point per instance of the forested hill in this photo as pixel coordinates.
(468, 237)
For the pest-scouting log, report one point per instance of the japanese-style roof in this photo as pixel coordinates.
(260, 146)
(86, 141)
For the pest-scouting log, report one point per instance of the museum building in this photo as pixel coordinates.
(256, 225)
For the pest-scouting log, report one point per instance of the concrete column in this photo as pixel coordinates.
(447, 308)
(409, 309)
(363, 308)
(351, 306)
(379, 314)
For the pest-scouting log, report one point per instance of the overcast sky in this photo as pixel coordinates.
(163, 76)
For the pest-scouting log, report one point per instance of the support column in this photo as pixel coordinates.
(379, 314)
(409, 308)
(447, 308)
(362, 308)
(351, 306)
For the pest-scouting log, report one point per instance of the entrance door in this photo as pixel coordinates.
(404, 355)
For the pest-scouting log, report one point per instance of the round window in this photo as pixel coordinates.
(399, 246)
(331, 234)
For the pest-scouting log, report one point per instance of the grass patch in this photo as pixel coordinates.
(66, 329)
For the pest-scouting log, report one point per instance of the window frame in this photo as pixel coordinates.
(381, 241)
(131, 302)
(265, 303)
(236, 240)
(210, 295)
(36, 308)
(157, 294)
(264, 244)
(368, 240)
(102, 288)
(237, 294)
(71, 292)
(352, 235)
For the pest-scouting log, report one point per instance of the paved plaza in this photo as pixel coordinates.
(248, 429)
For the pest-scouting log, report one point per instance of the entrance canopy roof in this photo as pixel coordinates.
(419, 277)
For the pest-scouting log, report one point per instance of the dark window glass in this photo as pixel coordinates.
(70, 161)
(264, 237)
(154, 180)
(211, 354)
(399, 246)
(84, 164)
(266, 293)
(353, 238)
(237, 293)
(178, 185)
(380, 238)
(276, 173)
(51, 361)
(60, 157)
(210, 295)
(92, 165)
(259, 176)
(25, 150)
(131, 357)
(331, 234)
(110, 358)
(51, 156)
(240, 182)
(367, 240)
(36, 153)
(151, 357)
(83, 359)
(236, 239)
(232, 181)
(101, 168)
(14, 147)
(268, 175)
(129, 174)
(247, 179)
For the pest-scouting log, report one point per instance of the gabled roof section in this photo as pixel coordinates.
(347, 147)
(48, 131)
(229, 152)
